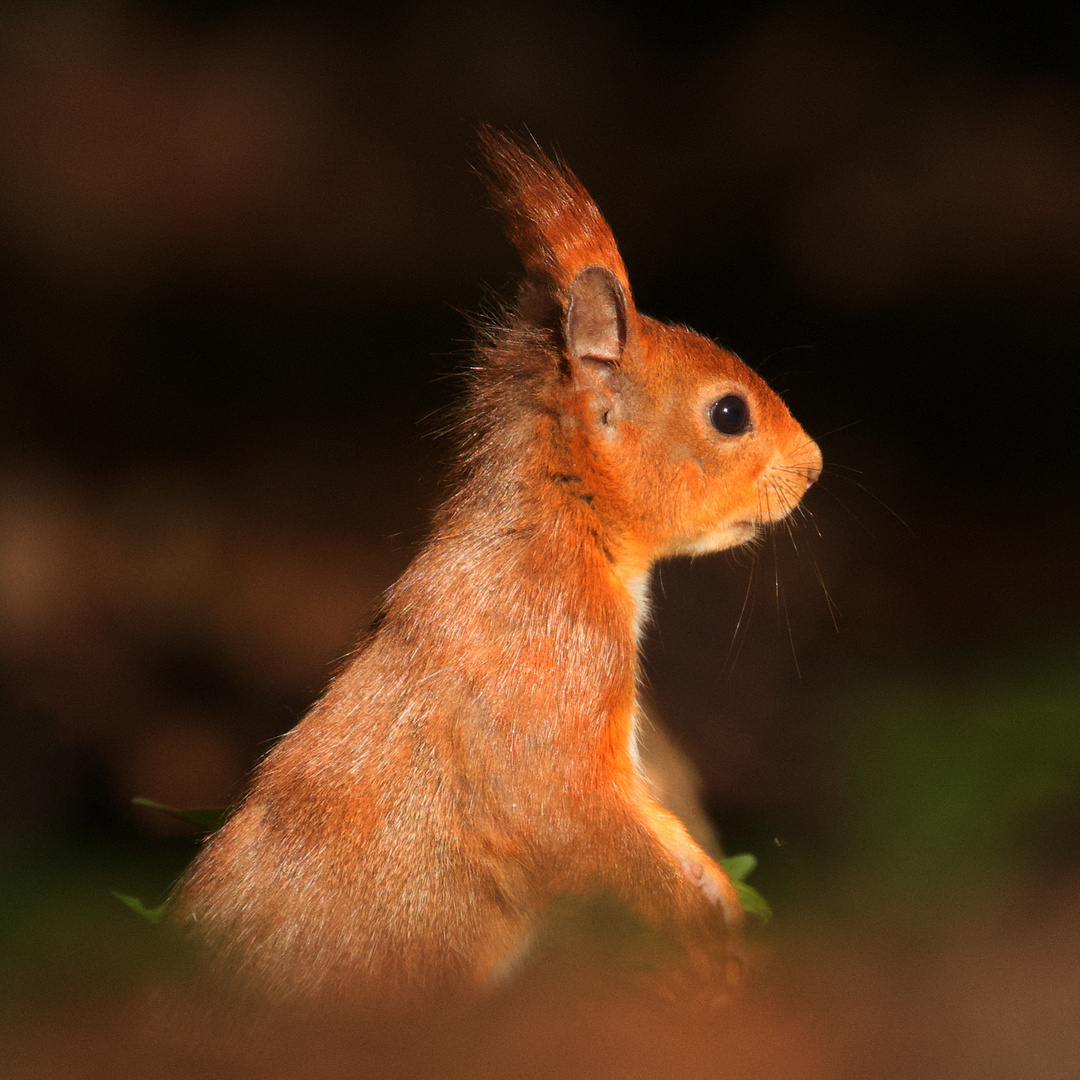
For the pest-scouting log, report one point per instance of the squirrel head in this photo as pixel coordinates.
(674, 444)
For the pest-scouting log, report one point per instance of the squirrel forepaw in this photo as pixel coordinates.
(716, 886)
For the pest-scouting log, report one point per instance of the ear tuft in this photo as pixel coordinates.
(550, 218)
(596, 316)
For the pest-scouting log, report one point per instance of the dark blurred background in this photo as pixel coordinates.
(239, 243)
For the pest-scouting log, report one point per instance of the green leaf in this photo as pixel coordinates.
(753, 903)
(739, 867)
(209, 819)
(153, 915)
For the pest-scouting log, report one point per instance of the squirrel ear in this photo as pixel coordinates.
(595, 323)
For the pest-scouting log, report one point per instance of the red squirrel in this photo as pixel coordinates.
(477, 755)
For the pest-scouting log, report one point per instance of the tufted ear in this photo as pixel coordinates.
(549, 217)
(595, 323)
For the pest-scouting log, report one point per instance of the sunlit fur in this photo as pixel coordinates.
(476, 756)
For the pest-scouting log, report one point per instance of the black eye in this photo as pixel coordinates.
(730, 415)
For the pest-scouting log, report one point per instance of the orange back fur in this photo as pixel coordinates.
(477, 756)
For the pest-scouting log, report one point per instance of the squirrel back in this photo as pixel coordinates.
(477, 757)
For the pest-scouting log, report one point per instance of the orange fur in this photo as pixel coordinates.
(476, 757)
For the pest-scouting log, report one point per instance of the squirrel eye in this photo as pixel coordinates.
(730, 415)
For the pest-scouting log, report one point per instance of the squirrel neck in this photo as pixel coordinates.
(528, 604)
(531, 514)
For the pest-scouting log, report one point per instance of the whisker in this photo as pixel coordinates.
(781, 606)
(791, 535)
(776, 576)
(866, 491)
(791, 636)
(830, 603)
(837, 430)
(745, 611)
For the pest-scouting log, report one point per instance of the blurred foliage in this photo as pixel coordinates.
(739, 867)
(208, 819)
(951, 783)
(150, 914)
(58, 918)
(959, 769)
